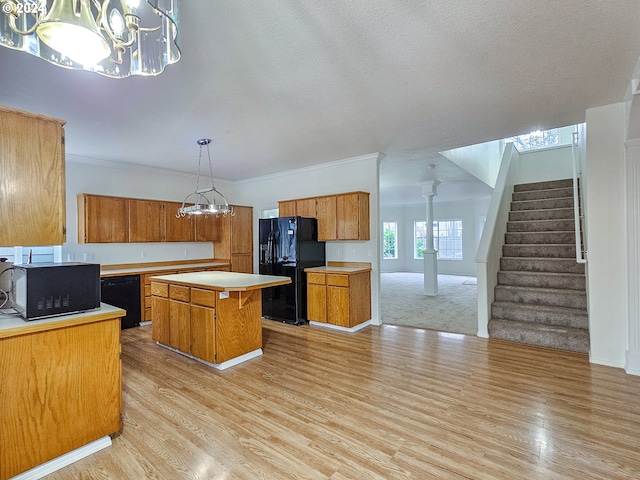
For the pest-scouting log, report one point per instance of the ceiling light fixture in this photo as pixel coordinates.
(200, 203)
(115, 38)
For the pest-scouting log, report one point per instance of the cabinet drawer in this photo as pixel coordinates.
(338, 280)
(160, 289)
(316, 278)
(147, 314)
(206, 298)
(180, 293)
(147, 290)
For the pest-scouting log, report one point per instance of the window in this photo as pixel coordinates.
(447, 239)
(389, 240)
(537, 139)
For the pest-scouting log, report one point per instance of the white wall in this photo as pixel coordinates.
(359, 173)
(606, 267)
(85, 175)
(469, 211)
(481, 160)
(546, 164)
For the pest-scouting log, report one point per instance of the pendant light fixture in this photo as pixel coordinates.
(115, 38)
(197, 203)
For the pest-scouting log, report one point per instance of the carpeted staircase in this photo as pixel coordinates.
(541, 298)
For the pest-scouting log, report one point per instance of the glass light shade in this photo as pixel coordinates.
(86, 35)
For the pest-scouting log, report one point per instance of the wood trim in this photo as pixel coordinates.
(323, 196)
(37, 116)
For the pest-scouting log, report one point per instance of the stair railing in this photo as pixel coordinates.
(581, 256)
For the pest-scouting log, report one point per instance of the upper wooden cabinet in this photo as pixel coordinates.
(177, 229)
(32, 182)
(343, 216)
(146, 219)
(233, 238)
(102, 219)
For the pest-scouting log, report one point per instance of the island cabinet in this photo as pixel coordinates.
(213, 317)
(32, 157)
(343, 216)
(61, 387)
(339, 295)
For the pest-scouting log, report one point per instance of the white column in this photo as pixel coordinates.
(430, 255)
(633, 249)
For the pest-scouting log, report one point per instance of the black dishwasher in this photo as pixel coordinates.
(123, 292)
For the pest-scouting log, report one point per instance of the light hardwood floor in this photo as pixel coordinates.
(383, 403)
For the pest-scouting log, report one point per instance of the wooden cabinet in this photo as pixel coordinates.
(343, 216)
(342, 299)
(32, 182)
(287, 208)
(206, 326)
(61, 388)
(327, 220)
(146, 218)
(102, 219)
(233, 238)
(177, 229)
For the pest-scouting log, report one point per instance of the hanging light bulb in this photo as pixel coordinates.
(197, 203)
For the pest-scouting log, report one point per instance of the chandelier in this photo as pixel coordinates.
(115, 38)
(197, 203)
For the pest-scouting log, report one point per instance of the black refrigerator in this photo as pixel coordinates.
(288, 245)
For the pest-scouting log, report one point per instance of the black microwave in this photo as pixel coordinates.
(40, 290)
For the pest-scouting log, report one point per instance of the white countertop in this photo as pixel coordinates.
(142, 270)
(332, 269)
(11, 324)
(223, 281)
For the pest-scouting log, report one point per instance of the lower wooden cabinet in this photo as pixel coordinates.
(342, 299)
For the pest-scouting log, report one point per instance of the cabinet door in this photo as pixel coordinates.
(242, 230)
(242, 263)
(203, 333)
(204, 225)
(32, 156)
(317, 303)
(104, 219)
(287, 208)
(180, 326)
(177, 229)
(338, 306)
(327, 218)
(145, 221)
(306, 207)
(347, 215)
(160, 325)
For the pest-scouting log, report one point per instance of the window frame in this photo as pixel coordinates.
(395, 233)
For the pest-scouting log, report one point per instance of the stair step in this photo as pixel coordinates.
(563, 338)
(568, 237)
(541, 226)
(545, 203)
(557, 265)
(539, 250)
(545, 315)
(562, 281)
(547, 185)
(541, 296)
(540, 194)
(543, 214)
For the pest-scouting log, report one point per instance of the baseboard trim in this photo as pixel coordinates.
(360, 326)
(633, 363)
(64, 460)
(606, 363)
(218, 366)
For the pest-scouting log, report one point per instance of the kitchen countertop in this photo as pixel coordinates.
(223, 281)
(159, 268)
(338, 269)
(13, 324)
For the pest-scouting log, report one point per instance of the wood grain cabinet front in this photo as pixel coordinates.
(32, 157)
(339, 299)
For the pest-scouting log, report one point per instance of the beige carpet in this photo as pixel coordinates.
(454, 309)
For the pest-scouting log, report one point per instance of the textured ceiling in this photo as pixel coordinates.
(289, 83)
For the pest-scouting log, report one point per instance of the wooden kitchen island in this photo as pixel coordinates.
(213, 317)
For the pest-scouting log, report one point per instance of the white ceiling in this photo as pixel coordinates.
(285, 84)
